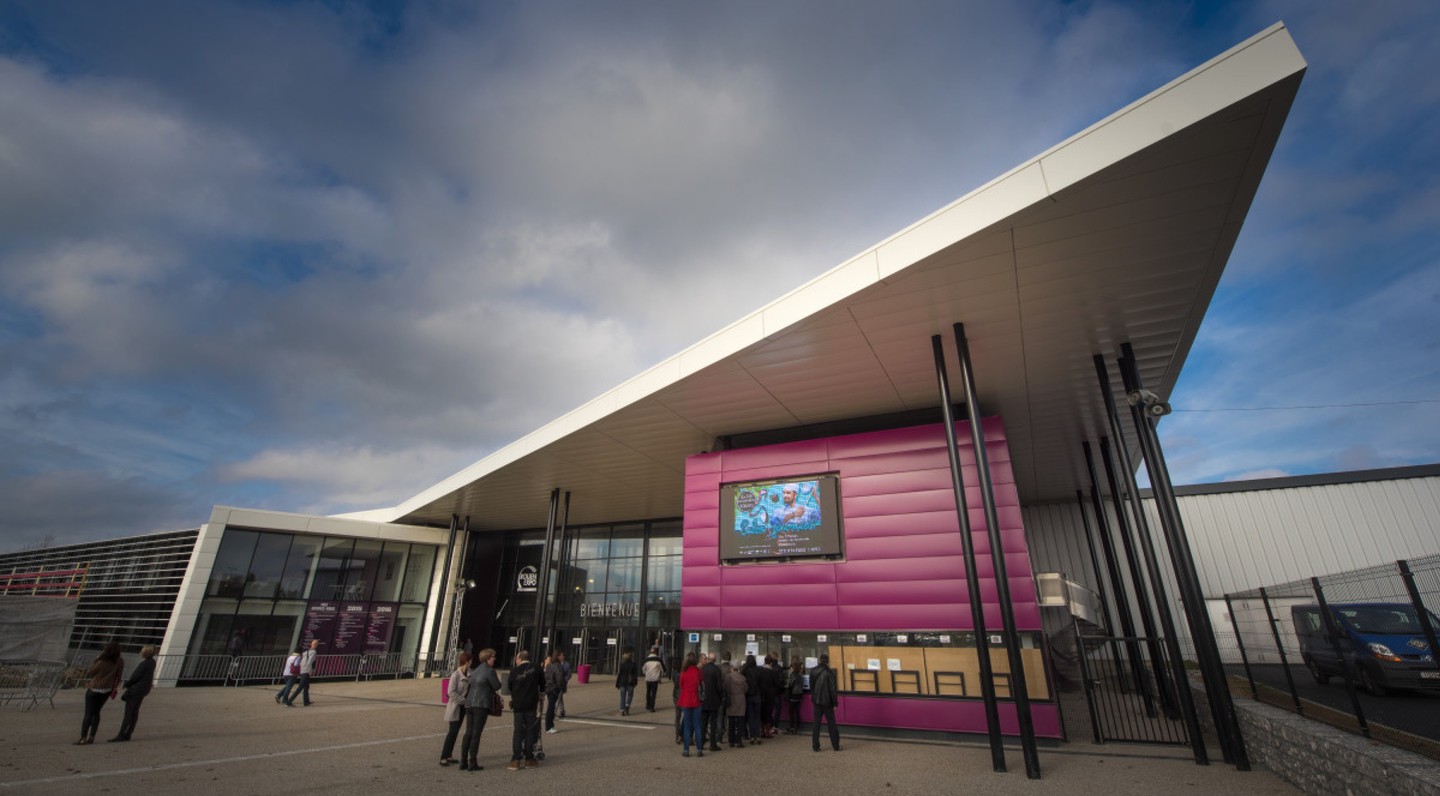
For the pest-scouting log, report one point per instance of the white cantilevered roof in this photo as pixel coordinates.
(1118, 234)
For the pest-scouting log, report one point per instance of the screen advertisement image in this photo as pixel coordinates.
(795, 517)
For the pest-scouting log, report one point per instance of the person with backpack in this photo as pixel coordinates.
(291, 672)
(456, 690)
(653, 669)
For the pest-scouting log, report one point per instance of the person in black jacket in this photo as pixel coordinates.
(769, 685)
(626, 680)
(752, 699)
(524, 683)
(712, 704)
(824, 697)
(137, 686)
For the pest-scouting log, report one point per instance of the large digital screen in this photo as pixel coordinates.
(794, 517)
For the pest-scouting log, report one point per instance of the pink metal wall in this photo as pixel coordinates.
(903, 568)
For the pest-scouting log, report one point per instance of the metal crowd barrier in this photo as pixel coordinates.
(30, 682)
(252, 669)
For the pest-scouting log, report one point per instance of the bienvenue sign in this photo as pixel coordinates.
(605, 610)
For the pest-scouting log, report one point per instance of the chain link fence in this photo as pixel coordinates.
(1373, 630)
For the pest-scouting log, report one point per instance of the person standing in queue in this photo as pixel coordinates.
(795, 693)
(455, 706)
(484, 682)
(689, 703)
(137, 687)
(824, 698)
(712, 704)
(735, 687)
(524, 684)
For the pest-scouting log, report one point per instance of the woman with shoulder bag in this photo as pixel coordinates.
(484, 684)
(455, 706)
(103, 679)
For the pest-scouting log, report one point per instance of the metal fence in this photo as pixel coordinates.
(28, 683)
(1374, 629)
(225, 670)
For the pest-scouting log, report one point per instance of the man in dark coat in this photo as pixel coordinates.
(712, 706)
(524, 684)
(824, 697)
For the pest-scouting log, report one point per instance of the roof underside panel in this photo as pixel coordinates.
(1119, 234)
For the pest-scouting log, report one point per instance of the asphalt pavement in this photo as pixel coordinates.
(1411, 711)
(385, 736)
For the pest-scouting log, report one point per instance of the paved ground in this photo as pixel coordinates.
(385, 737)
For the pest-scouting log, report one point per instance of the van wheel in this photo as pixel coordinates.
(1320, 677)
(1371, 686)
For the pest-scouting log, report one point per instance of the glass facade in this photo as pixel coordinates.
(617, 588)
(270, 593)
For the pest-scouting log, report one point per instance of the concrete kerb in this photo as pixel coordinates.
(386, 735)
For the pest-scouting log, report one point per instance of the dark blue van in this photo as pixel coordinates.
(1383, 643)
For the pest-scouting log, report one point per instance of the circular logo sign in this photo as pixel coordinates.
(528, 579)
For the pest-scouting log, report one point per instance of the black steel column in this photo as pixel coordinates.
(1187, 577)
(1105, 610)
(1018, 689)
(546, 558)
(563, 563)
(445, 587)
(972, 578)
(1117, 586)
(1153, 640)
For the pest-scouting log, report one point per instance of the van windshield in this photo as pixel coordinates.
(1385, 620)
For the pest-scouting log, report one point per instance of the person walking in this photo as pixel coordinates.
(625, 680)
(291, 672)
(524, 683)
(712, 701)
(554, 686)
(103, 678)
(455, 692)
(735, 711)
(689, 704)
(564, 683)
(484, 682)
(824, 698)
(137, 687)
(653, 669)
(307, 669)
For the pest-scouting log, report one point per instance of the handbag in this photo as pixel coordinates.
(497, 704)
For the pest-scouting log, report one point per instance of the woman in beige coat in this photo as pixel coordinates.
(735, 708)
(455, 707)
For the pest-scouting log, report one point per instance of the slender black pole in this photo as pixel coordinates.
(1333, 633)
(1105, 611)
(972, 577)
(564, 563)
(546, 558)
(1019, 691)
(445, 586)
(1187, 577)
(1117, 586)
(1284, 660)
(1153, 641)
(1240, 642)
(1420, 612)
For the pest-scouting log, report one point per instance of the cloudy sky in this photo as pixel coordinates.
(317, 256)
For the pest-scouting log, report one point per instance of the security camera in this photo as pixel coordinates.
(1142, 396)
(1159, 409)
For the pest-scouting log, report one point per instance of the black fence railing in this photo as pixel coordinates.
(225, 670)
(1372, 630)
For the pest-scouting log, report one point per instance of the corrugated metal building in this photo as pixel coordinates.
(1246, 534)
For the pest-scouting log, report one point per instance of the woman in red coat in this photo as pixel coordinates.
(689, 704)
